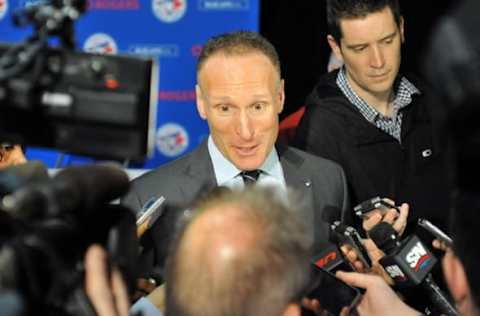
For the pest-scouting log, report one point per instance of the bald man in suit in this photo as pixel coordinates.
(240, 93)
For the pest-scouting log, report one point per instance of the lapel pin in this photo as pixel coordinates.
(426, 153)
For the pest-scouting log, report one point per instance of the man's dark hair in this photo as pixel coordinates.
(263, 277)
(465, 222)
(353, 9)
(238, 43)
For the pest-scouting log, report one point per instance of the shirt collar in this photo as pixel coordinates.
(226, 171)
(404, 89)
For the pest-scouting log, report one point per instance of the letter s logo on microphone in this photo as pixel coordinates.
(396, 273)
(417, 257)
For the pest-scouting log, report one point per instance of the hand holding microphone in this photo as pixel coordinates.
(409, 263)
(376, 210)
(379, 298)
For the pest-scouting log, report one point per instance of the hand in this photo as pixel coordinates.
(11, 156)
(438, 244)
(157, 297)
(375, 255)
(108, 295)
(397, 219)
(142, 228)
(379, 298)
(144, 287)
(352, 257)
(314, 306)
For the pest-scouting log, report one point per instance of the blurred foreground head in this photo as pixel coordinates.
(242, 253)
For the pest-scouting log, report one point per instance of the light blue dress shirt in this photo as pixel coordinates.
(227, 174)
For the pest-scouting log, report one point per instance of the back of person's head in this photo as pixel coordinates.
(242, 253)
(354, 9)
(238, 43)
(465, 224)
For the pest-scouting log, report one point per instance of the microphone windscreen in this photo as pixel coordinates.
(94, 184)
(15, 177)
(384, 236)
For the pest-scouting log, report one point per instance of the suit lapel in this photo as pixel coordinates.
(298, 178)
(199, 174)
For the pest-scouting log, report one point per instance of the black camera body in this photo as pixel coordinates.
(97, 105)
(47, 225)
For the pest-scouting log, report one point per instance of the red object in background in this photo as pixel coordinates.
(289, 125)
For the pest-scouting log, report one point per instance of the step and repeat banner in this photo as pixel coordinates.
(172, 31)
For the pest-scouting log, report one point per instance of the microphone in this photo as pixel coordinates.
(331, 259)
(74, 189)
(409, 263)
(15, 177)
(341, 234)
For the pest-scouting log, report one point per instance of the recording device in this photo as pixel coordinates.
(435, 231)
(341, 234)
(369, 205)
(409, 263)
(90, 104)
(48, 224)
(149, 214)
(332, 293)
(151, 210)
(332, 258)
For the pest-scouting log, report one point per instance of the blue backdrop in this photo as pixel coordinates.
(172, 31)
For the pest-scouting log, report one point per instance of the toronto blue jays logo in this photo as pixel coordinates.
(100, 43)
(169, 11)
(172, 139)
(3, 8)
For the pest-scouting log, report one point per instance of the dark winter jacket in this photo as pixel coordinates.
(376, 164)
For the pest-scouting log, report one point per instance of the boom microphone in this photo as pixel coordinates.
(75, 189)
(409, 263)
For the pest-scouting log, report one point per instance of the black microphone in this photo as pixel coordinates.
(15, 177)
(409, 263)
(74, 189)
(341, 234)
(331, 259)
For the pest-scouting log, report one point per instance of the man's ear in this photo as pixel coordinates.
(402, 29)
(335, 47)
(200, 102)
(292, 310)
(281, 96)
(457, 280)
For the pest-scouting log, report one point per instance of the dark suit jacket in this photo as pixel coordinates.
(320, 182)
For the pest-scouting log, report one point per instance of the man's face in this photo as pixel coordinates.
(241, 96)
(370, 50)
